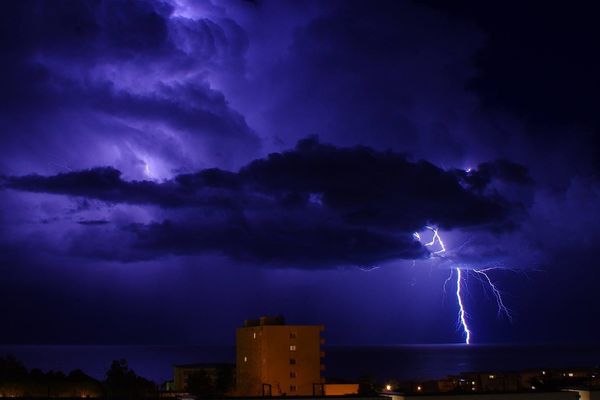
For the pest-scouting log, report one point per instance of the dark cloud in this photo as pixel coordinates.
(539, 63)
(499, 170)
(106, 184)
(298, 241)
(519, 68)
(93, 222)
(375, 188)
(390, 76)
(317, 204)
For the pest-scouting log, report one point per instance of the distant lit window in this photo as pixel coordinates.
(254, 335)
(292, 361)
(570, 374)
(492, 377)
(293, 347)
(292, 374)
(292, 388)
(292, 335)
(245, 359)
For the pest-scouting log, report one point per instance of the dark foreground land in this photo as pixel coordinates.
(120, 382)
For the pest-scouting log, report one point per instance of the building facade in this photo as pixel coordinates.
(216, 379)
(275, 359)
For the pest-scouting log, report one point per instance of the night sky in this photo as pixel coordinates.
(170, 168)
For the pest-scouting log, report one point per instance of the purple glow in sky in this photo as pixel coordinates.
(167, 163)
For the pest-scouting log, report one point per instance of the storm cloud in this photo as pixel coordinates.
(130, 79)
(315, 205)
(156, 146)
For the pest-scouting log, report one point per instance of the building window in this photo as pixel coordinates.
(292, 388)
(293, 347)
(254, 335)
(292, 335)
(245, 359)
(292, 361)
(292, 374)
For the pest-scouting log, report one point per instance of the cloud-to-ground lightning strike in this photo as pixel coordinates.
(481, 274)
(462, 315)
(461, 280)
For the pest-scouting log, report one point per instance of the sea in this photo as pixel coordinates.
(401, 362)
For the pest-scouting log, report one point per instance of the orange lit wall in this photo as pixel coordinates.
(340, 389)
(266, 355)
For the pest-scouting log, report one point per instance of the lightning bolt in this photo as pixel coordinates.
(436, 236)
(147, 170)
(462, 315)
(369, 269)
(448, 279)
(461, 274)
(502, 309)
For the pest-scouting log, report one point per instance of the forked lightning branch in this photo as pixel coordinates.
(461, 274)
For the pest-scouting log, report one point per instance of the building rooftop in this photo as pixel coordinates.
(276, 320)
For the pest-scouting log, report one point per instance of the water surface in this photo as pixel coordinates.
(350, 362)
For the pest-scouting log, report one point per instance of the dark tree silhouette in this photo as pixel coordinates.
(123, 383)
(16, 381)
(11, 368)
